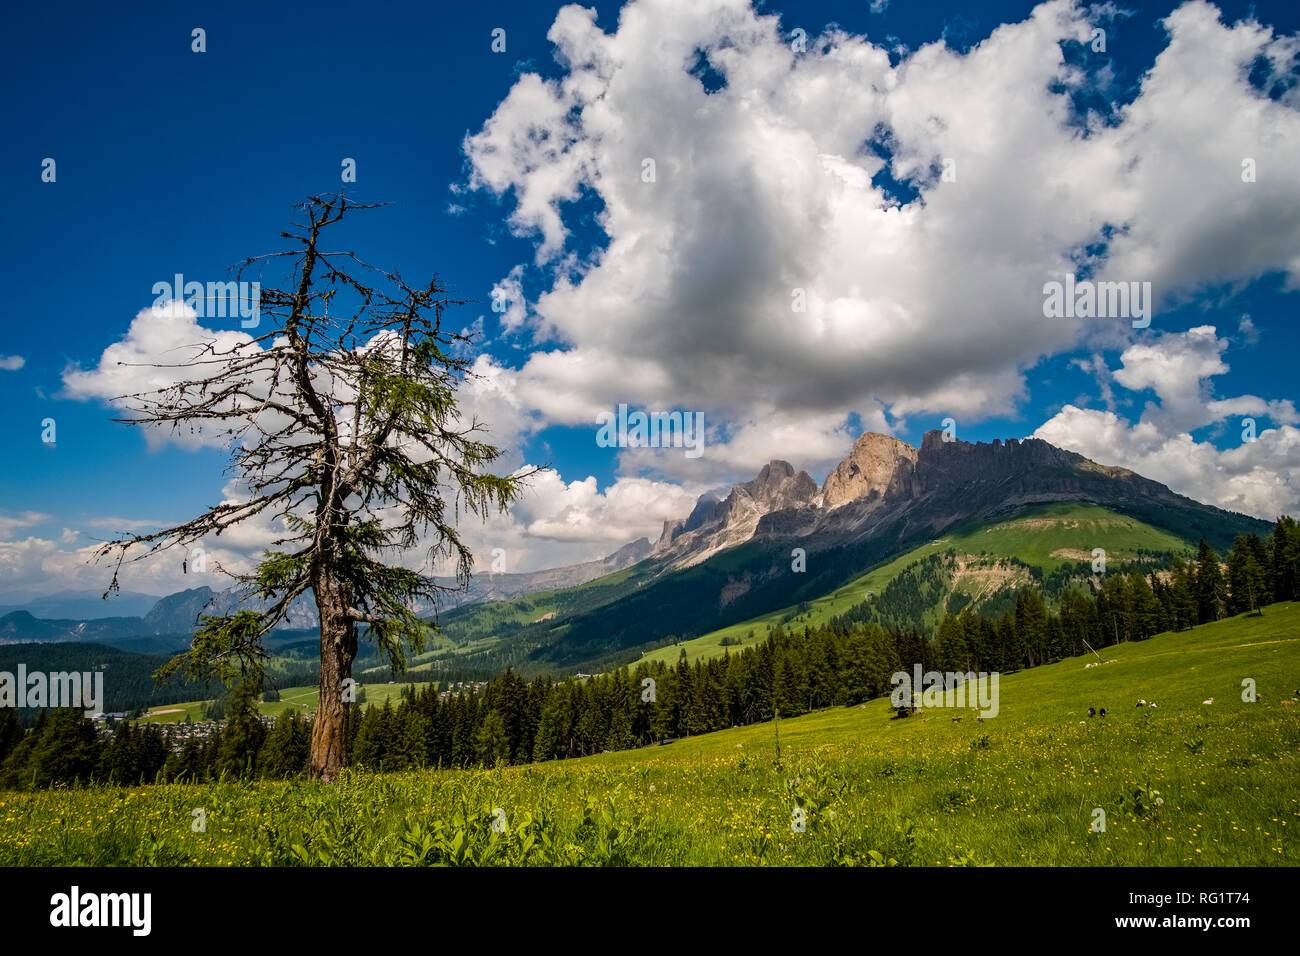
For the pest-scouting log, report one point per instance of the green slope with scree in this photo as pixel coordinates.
(1206, 779)
(300, 699)
(1047, 537)
(499, 634)
(495, 635)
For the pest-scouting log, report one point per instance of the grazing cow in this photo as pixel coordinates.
(1092, 712)
(1210, 701)
(1103, 712)
(956, 720)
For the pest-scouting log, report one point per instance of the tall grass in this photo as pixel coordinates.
(1183, 784)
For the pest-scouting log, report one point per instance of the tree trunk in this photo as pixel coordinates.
(338, 649)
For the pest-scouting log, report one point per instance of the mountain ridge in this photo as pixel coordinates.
(692, 585)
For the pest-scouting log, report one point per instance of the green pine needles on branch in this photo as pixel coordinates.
(344, 433)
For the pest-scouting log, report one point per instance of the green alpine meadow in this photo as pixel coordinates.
(1180, 781)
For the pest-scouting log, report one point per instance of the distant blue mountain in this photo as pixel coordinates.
(155, 623)
(83, 605)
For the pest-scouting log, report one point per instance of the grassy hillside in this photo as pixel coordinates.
(1186, 783)
(301, 699)
(498, 634)
(1048, 537)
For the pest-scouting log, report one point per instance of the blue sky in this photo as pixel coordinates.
(171, 161)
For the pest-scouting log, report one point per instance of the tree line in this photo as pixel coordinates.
(1126, 606)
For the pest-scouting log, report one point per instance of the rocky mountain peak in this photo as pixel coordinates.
(955, 463)
(779, 486)
(876, 463)
(774, 468)
(627, 555)
(713, 525)
(882, 481)
(179, 612)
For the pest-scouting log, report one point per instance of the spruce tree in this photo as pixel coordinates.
(1211, 591)
(1031, 625)
(1247, 578)
(243, 734)
(1285, 560)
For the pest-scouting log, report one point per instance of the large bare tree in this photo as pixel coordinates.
(344, 436)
